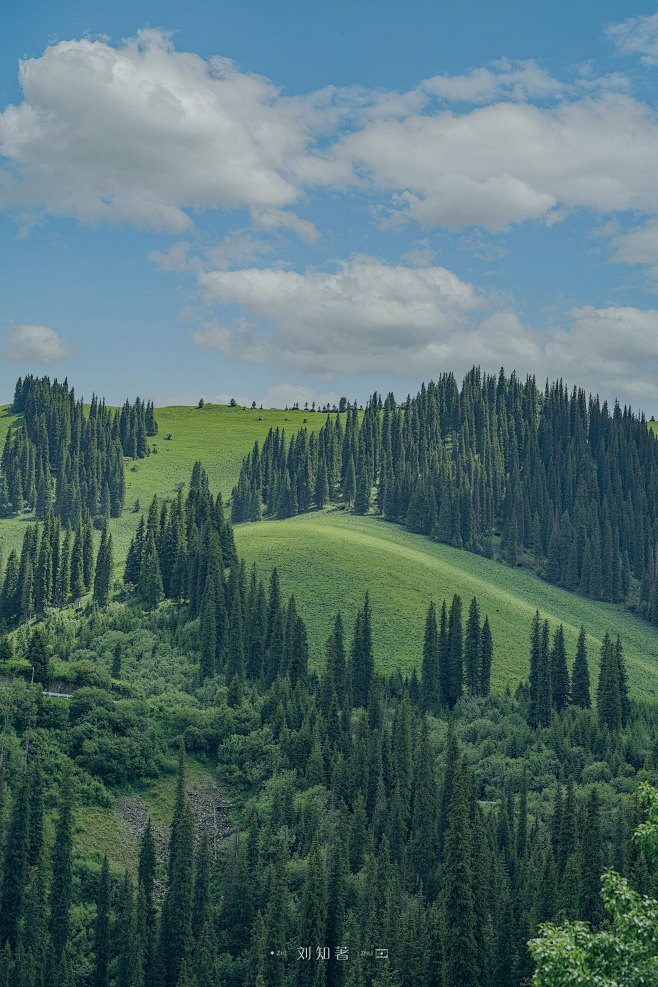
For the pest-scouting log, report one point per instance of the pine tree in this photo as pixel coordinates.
(591, 861)
(424, 813)
(102, 928)
(177, 908)
(150, 580)
(580, 695)
(60, 889)
(38, 655)
(486, 657)
(430, 674)
(313, 914)
(104, 565)
(14, 871)
(459, 944)
(559, 671)
(276, 924)
(129, 962)
(472, 649)
(455, 652)
(608, 698)
(544, 681)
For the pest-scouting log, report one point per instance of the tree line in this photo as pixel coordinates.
(65, 459)
(550, 479)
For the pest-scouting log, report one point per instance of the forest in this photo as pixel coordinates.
(377, 827)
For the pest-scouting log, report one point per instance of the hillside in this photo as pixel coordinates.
(328, 559)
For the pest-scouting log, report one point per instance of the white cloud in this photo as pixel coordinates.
(367, 315)
(272, 219)
(144, 134)
(511, 161)
(637, 36)
(141, 133)
(34, 344)
(613, 350)
(506, 79)
(638, 246)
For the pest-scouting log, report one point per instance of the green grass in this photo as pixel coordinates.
(328, 559)
(217, 435)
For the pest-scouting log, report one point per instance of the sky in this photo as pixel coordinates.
(295, 201)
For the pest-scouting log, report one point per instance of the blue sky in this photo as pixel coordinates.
(300, 200)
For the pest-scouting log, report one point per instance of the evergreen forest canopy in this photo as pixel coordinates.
(548, 479)
(66, 459)
(419, 815)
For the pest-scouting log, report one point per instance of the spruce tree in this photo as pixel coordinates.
(559, 671)
(608, 698)
(150, 580)
(14, 871)
(455, 652)
(472, 649)
(38, 655)
(430, 674)
(313, 916)
(459, 944)
(486, 658)
(580, 695)
(102, 928)
(60, 889)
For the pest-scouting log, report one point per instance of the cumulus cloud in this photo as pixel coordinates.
(140, 133)
(637, 36)
(366, 315)
(34, 344)
(512, 161)
(143, 134)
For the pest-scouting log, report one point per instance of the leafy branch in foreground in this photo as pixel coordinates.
(627, 953)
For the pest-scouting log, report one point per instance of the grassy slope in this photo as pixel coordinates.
(217, 435)
(329, 559)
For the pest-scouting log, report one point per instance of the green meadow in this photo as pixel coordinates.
(328, 559)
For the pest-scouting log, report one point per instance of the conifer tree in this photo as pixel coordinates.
(129, 963)
(430, 674)
(60, 889)
(178, 902)
(486, 658)
(38, 655)
(455, 652)
(559, 672)
(35, 815)
(313, 915)
(608, 698)
(580, 695)
(544, 680)
(14, 871)
(201, 907)
(102, 928)
(150, 579)
(472, 649)
(276, 924)
(459, 944)
(337, 894)
(590, 861)
(424, 813)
